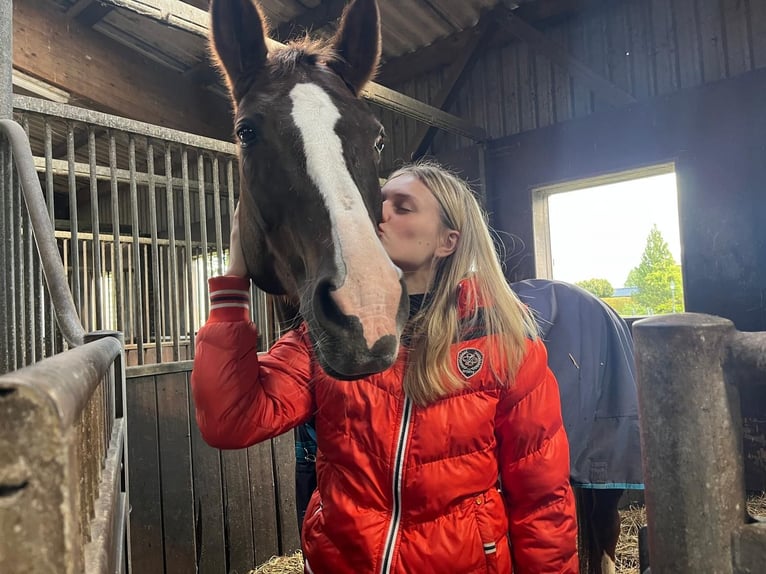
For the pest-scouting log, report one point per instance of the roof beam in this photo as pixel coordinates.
(602, 88)
(106, 75)
(179, 15)
(475, 46)
(397, 71)
(88, 12)
(325, 13)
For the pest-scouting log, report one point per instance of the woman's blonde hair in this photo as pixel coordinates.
(493, 307)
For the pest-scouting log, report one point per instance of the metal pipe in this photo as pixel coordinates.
(136, 310)
(691, 436)
(155, 254)
(172, 262)
(66, 314)
(96, 226)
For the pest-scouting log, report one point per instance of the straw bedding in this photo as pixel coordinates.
(632, 519)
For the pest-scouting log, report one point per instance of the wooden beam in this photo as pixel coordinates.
(475, 46)
(182, 16)
(325, 13)
(397, 71)
(602, 88)
(108, 76)
(88, 12)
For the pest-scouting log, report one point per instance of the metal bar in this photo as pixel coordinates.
(189, 251)
(99, 324)
(182, 16)
(55, 274)
(117, 267)
(172, 263)
(230, 190)
(51, 331)
(29, 274)
(99, 119)
(19, 325)
(82, 170)
(217, 214)
(73, 221)
(137, 302)
(5, 292)
(691, 438)
(145, 294)
(155, 252)
(127, 239)
(203, 228)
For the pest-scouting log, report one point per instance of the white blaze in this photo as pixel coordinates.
(368, 283)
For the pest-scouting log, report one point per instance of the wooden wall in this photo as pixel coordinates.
(193, 506)
(716, 136)
(648, 48)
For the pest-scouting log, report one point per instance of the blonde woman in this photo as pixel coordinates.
(408, 460)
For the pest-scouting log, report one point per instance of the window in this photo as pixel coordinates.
(617, 236)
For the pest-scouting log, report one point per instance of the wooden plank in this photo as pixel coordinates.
(147, 551)
(544, 92)
(106, 75)
(562, 109)
(618, 46)
(528, 111)
(580, 93)
(510, 66)
(711, 40)
(737, 37)
(664, 44)
(642, 75)
(687, 37)
(208, 501)
(595, 45)
(263, 501)
(493, 90)
(176, 473)
(758, 33)
(237, 517)
(284, 457)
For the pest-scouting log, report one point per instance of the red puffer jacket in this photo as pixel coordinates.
(400, 488)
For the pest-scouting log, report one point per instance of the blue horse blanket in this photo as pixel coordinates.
(590, 350)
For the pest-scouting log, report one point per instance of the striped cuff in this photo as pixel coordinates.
(229, 299)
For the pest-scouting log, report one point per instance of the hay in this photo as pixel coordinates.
(632, 518)
(282, 565)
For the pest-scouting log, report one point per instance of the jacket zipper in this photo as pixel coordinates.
(396, 511)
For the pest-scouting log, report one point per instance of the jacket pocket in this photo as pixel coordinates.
(489, 512)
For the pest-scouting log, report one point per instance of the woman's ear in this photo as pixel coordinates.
(448, 243)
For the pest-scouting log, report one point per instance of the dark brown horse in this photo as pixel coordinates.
(310, 197)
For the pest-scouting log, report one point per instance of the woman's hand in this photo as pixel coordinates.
(237, 265)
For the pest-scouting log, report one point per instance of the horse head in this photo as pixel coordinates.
(309, 192)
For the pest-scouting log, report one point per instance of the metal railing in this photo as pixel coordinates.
(690, 368)
(141, 216)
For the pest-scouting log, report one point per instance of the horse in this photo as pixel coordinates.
(310, 198)
(309, 149)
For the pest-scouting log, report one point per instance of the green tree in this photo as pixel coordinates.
(657, 278)
(599, 287)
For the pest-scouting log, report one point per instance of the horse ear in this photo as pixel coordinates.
(357, 44)
(238, 41)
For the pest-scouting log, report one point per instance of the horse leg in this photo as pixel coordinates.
(599, 528)
(606, 524)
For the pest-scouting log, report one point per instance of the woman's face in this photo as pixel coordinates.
(412, 231)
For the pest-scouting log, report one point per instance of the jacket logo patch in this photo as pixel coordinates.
(469, 361)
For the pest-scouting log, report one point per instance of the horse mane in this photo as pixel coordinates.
(301, 51)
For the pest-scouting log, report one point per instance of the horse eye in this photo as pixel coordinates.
(380, 144)
(246, 135)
